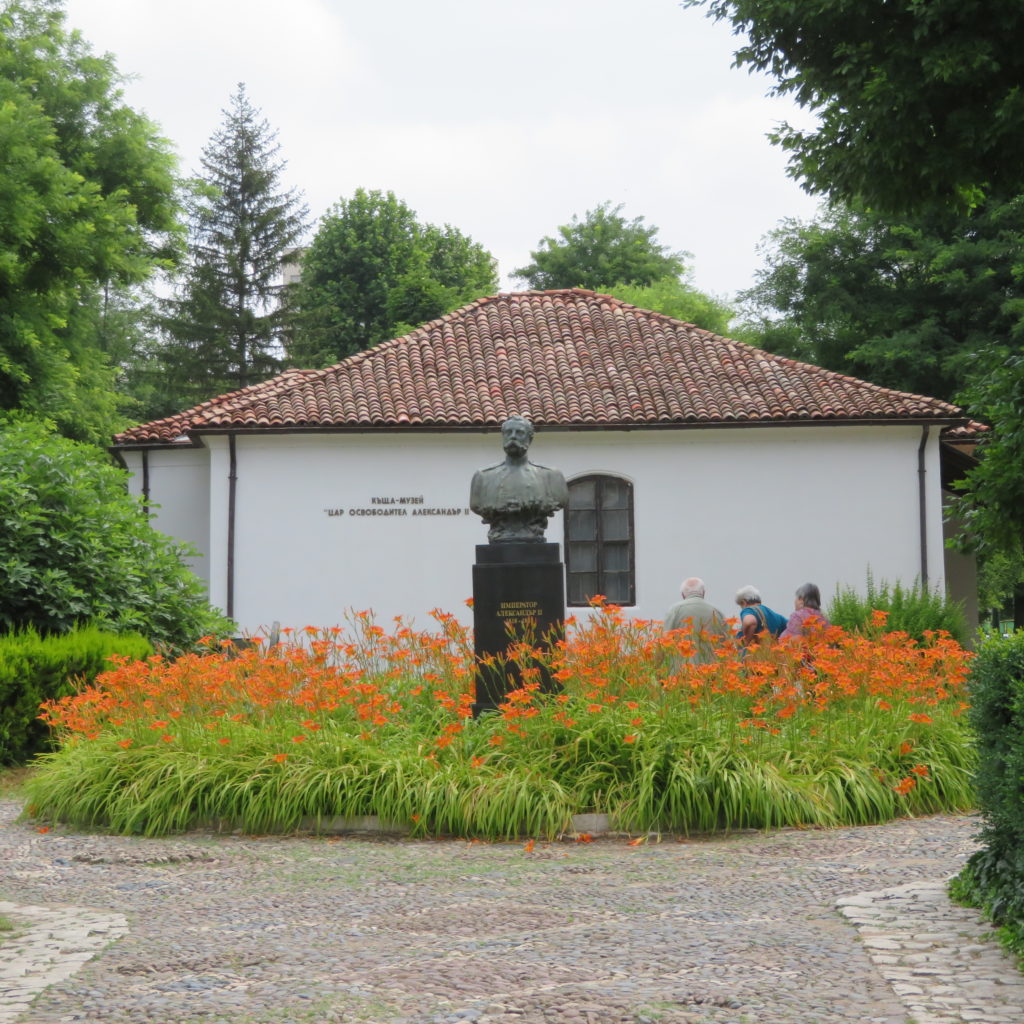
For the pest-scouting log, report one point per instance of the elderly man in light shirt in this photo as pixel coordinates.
(700, 618)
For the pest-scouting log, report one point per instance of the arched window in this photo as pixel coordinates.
(599, 540)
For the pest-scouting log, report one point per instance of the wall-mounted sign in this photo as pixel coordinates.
(398, 505)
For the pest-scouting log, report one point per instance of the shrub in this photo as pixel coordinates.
(914, 610)
(34, 669)
(994, 876)
(75, 547)
(838, 729)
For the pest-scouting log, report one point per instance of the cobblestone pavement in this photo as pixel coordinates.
(792, 927)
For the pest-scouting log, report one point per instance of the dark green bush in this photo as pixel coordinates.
(35, 668)
(912, 610)
(76, 547)
(994, 876)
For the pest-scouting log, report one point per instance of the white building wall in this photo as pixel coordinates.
(219, 465)
(773, 506)
(179, 493)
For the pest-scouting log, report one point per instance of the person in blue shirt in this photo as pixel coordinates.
(756, 617)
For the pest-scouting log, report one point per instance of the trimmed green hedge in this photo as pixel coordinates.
(994, 876)
(35, 668)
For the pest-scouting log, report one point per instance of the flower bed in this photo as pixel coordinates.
(841, 729)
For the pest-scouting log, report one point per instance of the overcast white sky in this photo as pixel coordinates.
(502, 120)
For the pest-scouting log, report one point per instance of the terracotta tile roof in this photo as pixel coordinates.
(970, 431)
(568, 358)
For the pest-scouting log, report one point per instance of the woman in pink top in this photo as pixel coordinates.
(808, 608)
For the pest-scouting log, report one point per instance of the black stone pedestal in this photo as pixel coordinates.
(518, 591)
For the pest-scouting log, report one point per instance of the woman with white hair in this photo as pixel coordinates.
(755, 616)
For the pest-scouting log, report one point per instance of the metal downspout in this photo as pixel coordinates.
(922, 505)
(232, 489)
(145, 481)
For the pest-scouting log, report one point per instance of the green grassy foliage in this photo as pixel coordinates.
(379, 726)
(687, 778)
(35, 668)
(914, 610)
(994, 876)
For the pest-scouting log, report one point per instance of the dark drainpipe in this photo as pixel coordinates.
(232, 487)
(145, 481)
(922, 504)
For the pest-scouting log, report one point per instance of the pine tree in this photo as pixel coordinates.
(224, 328)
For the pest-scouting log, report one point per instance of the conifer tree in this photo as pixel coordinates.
(224, 328)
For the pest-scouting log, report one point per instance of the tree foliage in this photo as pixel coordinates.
(87, 202)
(75, 547)
(373, 271)
(601, 249)
(992, 505)
(932, 304)
(678, 298)
(920, 112)
(226, 327)
(919, 102)
(919, 304)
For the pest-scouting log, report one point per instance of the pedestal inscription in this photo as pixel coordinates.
(518, 592)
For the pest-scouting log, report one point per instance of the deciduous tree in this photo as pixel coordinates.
(919, 102)
(87, 203)
(917, 304)
(373, 271)
(932, 304)
(600, 250)
(992, 505)
(678, 298)
(920, 109)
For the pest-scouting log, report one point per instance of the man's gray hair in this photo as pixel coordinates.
(748, 595)
(692, 586)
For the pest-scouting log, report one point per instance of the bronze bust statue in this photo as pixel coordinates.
(517, 497)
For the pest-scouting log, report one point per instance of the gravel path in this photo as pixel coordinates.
(300, 930)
